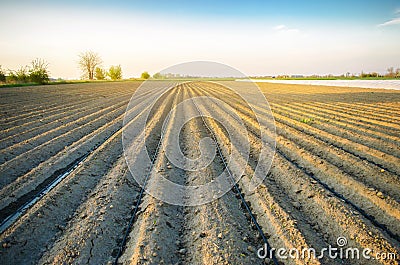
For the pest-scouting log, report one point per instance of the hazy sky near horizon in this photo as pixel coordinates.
(255, 37)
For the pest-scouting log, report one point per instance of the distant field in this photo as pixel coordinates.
(335, 173)
(378, 83)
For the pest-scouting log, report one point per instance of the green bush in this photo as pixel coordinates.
(115, 72)
(100, 74)
(19, 76)
(145, 75)
(157, 76)
(2, 75)
(38, 72)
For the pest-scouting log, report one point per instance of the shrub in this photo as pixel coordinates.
(2, 75)
(145, 75)
(115, 72)
(100, 74)
(38, 72)
(157, 76)
(20, 75)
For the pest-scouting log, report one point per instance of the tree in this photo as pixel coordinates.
(38, 73)
(390, 71)
(100, 73)
(145, 75)
(88, 61)
(157, 76)
(20, 75)
(2, 75)
(115, 72)
(398, 72)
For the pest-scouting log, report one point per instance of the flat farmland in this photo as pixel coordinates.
(68, 197)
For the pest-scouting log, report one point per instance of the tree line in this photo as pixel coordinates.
(90, 64)
(390, 73)
(36, 72)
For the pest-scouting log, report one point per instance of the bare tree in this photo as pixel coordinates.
(88, 61)
(390, 71)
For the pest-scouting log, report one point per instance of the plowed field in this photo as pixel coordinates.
(67, 195)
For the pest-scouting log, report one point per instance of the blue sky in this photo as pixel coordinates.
(352, 10)
(256, 37)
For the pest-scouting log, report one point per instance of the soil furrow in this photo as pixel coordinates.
(357, 222)
(42, 114)
(332, 128)
(156, 228)
(31, 129)
(334, 173)
(382, 125)
(20, 164)
(316, 116)
(71, 193)
(58, 95)
(271, 205)
(63, 131)
(360, 110)
(382, 207)
(18, 189)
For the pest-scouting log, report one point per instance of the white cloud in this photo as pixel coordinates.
(284, 28)
(280, 27)
(395, 21)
